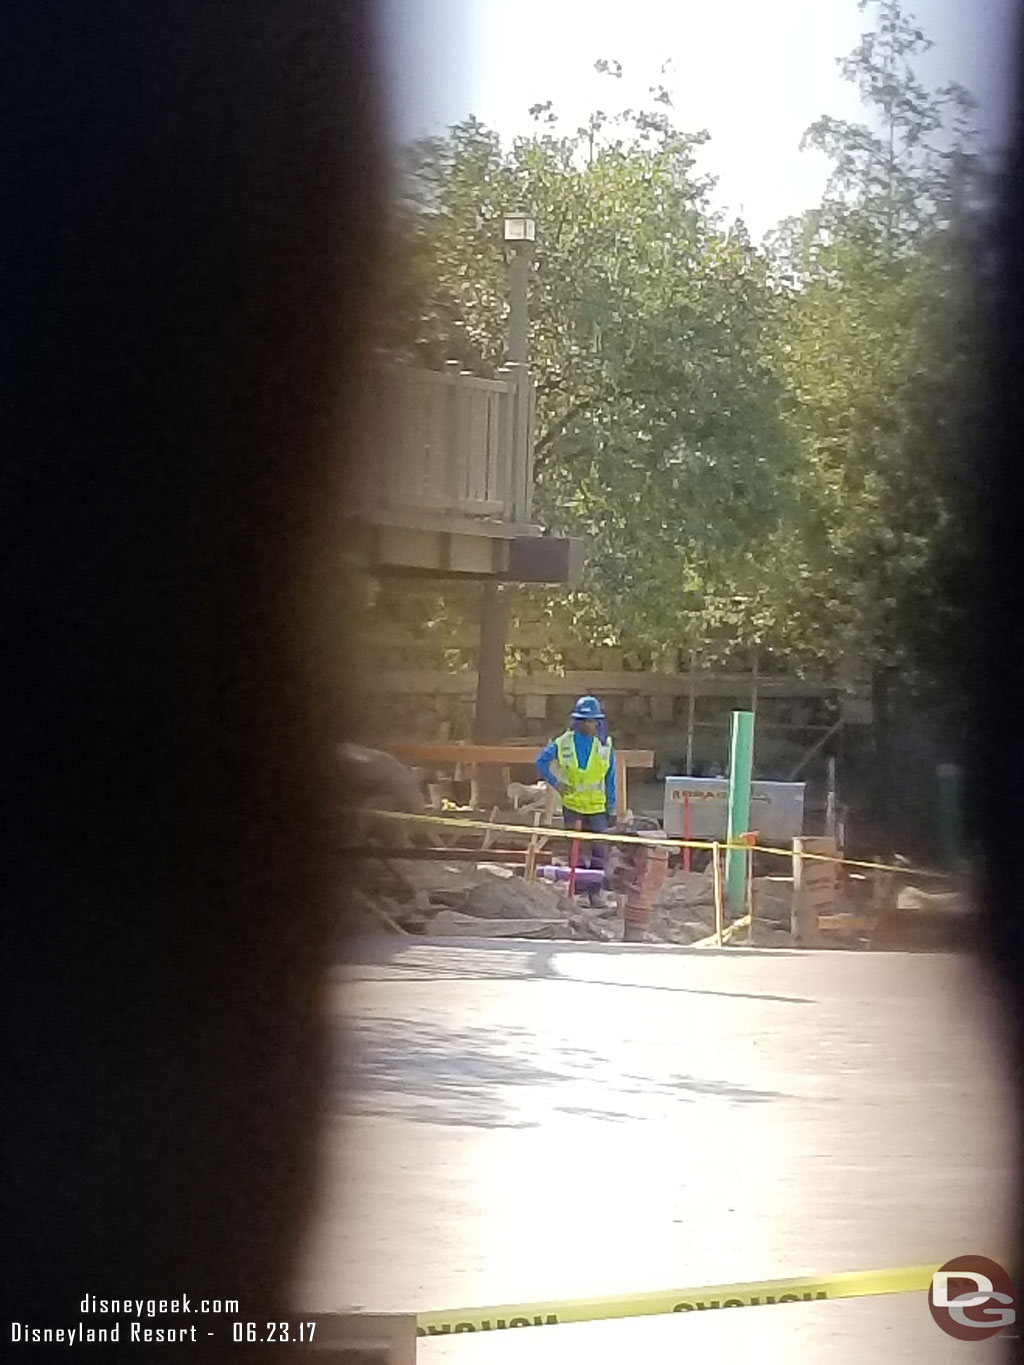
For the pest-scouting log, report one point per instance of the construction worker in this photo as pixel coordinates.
(585, 780)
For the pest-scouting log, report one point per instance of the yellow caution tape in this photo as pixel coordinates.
(724, 845)
(849, 1285)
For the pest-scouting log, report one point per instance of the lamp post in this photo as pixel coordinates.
(519, 233)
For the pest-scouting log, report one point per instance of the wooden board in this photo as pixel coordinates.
(852, 923)
(514, 756)
(814, 888)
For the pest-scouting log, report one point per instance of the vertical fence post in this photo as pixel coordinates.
(691, 708)
(686, 831)
(716, 857)
(751, 839)
(506, 441)
(813, 889)
(450, 460)
(520, 442)
(830, 801)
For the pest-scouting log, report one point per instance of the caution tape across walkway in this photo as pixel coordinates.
(848, 1285)
(723, 845)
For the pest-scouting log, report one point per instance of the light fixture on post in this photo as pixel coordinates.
(520, 229)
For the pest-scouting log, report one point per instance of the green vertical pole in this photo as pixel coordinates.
(741, 765)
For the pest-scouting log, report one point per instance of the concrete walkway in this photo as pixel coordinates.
(544, 1120)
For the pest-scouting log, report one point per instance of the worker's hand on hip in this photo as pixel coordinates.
(561, 788)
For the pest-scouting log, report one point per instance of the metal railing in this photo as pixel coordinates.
(448, 442)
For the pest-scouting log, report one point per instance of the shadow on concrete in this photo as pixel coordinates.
(413, 959)
(403, 1068)
(410, 1069)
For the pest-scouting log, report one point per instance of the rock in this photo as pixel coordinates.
(528, 797)
(453, 924)
(773, 899)
(369, 780)
(685, 888)
(590, 928)
(609, 911)
(359, 917)
(686, 899)
(370, 914)
(941, 902)
(378, 780)
(498, 870)
(680, 931)
(768, 935)
(433, 876)
(515, 898)
(447, 900)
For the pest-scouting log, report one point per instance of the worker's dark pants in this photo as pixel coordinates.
(592, 854)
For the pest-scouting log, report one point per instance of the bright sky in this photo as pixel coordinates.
(755, 73)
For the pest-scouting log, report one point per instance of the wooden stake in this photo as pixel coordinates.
(830, 801)
(716, 855)
(489, 833)
(532, 849)
(751, 839)
(621, 787)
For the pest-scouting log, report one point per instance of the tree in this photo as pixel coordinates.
(880, 369)
(878, 363)
(659, 432)
(894, 181)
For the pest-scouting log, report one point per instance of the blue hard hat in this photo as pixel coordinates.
(587, 708)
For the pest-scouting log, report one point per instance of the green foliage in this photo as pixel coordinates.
(890, 178)
(879, 364)
(659, 435)
(762, 446)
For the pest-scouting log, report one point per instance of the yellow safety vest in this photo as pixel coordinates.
(586, 794)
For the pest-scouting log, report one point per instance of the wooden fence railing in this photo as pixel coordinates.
(449, 443)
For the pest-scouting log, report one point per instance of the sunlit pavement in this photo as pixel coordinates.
(531, 1121)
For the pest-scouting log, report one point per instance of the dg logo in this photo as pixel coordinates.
(972, 1298)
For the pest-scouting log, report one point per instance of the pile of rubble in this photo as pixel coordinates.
(489, 900)
(472, 900)
(684, 909)
(773, 911)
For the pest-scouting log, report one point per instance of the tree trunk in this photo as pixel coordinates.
(489, 719)
(882, 711)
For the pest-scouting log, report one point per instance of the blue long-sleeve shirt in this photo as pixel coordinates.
(549, 755)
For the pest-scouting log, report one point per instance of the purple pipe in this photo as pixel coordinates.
(585, 876)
